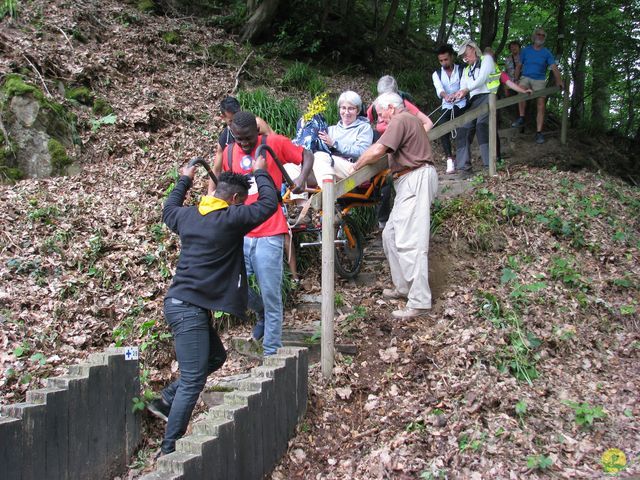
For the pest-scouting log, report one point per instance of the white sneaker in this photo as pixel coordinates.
(450, 166)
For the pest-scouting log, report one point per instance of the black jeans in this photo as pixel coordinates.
(199, 352)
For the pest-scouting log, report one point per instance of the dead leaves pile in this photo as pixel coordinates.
(436, 396)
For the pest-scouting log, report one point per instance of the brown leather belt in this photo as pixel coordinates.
(399, 174)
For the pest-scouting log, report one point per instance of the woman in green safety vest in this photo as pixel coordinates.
(479, 80)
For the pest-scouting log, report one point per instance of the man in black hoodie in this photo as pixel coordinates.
(210, 276)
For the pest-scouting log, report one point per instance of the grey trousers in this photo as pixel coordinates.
(463, 140)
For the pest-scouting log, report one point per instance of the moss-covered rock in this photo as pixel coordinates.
(59, 158)
(39, 131)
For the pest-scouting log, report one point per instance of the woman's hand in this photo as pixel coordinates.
(328, 141)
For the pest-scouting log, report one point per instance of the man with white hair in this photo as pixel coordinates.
(532, 71)
(406, 235)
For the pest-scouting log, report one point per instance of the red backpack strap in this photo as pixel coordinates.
(230, 152)
(230, 155)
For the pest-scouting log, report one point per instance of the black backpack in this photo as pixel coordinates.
(456, 66)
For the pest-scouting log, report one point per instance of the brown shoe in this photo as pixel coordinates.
(392, 293)
(406, 313)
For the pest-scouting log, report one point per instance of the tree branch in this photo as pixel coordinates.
(235, 86)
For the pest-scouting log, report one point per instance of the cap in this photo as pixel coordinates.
(468, 43)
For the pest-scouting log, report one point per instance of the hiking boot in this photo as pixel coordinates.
(407, 313)
(519, 122)
(159, 408)
(539, 137)
(451, 168)
(392, 293)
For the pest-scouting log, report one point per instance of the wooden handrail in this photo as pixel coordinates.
(447, 127)
(347, 184)
(330, 192)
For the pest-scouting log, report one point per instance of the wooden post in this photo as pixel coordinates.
(328, 257)
(493, 132)
(565, 114)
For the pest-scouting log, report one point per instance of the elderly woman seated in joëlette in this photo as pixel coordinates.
(347, 140)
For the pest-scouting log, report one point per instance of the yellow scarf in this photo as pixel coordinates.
(210, 204)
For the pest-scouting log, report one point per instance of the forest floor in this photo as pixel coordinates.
(526, 367)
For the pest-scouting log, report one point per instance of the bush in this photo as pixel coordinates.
(301, 76)
(282, 115)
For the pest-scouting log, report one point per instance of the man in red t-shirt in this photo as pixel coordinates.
(263, 246)
(406, 235)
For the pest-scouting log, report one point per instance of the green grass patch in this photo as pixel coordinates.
(282, 115)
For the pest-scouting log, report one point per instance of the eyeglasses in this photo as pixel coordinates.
(541, 35)
(344, 108)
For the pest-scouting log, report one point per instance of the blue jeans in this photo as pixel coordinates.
(199, 352)
(263, 257)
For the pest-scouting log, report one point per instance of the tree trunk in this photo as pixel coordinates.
(453, 21)
(440, 40)
(600, 92)
(251, 6)
(579, 66)
(561, 29)
(472, 14)
(505, 28)
(324, 5)
(487, 23)
(407, 21)
(260, 21)
(388, 23)
(422, 17)
(376, 10)
(631, 113)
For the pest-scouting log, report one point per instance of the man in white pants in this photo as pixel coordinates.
(406, 235)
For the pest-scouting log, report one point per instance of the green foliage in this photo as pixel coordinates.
(282, 115)
(172, 37)
(10, 8)
(539, 462)
(585, 414)
(350, 323)
(519, 355)
(101, 107)
(467, 442)
(45, 214)
(106, 120)
(415, 426)
(146, 6)
(22, 350)
(365, 219)
(521, 408)
(301, 76)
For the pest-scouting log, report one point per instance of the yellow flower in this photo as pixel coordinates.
(317, 105)
(613, 460)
